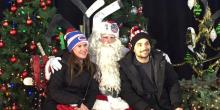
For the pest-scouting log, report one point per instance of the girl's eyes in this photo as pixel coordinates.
(84, 45)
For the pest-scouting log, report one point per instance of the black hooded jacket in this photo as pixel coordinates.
(167, 95)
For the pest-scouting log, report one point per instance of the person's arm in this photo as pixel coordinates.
(56, 89)
(129, 95)
(173, 86)
(53, 64)
(91, 94)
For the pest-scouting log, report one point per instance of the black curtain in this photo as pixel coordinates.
(2, 7)
(168, 21)
(70, 12)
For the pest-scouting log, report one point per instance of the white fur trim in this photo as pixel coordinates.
(102, 105)
(47, 70)
(52, 65)
(111, 104)
(117, 103)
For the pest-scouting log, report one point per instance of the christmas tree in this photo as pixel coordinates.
(202, 92)
(23, 30)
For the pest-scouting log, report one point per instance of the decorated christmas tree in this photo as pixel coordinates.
(202, 92)
(22, 37)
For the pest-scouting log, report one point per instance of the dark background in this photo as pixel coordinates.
(168, 21)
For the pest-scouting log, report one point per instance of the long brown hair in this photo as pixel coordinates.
(75, 67)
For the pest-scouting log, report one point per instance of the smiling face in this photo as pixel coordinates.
(81, 50)
(142, 50)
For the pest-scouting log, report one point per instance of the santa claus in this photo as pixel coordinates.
(106, 49)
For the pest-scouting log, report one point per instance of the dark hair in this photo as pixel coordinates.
(140, 36)
(75, 68)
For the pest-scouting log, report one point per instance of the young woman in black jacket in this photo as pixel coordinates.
(73, 85)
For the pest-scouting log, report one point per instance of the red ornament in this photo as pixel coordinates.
(1, 72)
(54, 50)
(14, 107)
(33, 46)
(2, 44)
(70, 29)
(42, 94)
(19, 1)
(13, 32)
(56, 38)
(24, 74)
(5, 23)
(13, 8)
(13, 59)
(48, 2)
(3, 88)
(140, 10)
(44, 8)
(29, 21)
(42, 4)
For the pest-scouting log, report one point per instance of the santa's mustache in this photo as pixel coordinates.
(107, 45)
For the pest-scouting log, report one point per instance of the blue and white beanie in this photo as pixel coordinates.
(73, 38)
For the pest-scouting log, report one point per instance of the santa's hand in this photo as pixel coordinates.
(166, 57)
(55, 64)
(51, 65)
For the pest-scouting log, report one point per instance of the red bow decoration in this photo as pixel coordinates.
(37, 65)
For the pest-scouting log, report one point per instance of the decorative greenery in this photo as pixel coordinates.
(201, 94)
(202, 91)
(24, 25)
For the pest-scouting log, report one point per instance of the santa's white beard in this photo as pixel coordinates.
(106, 59)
